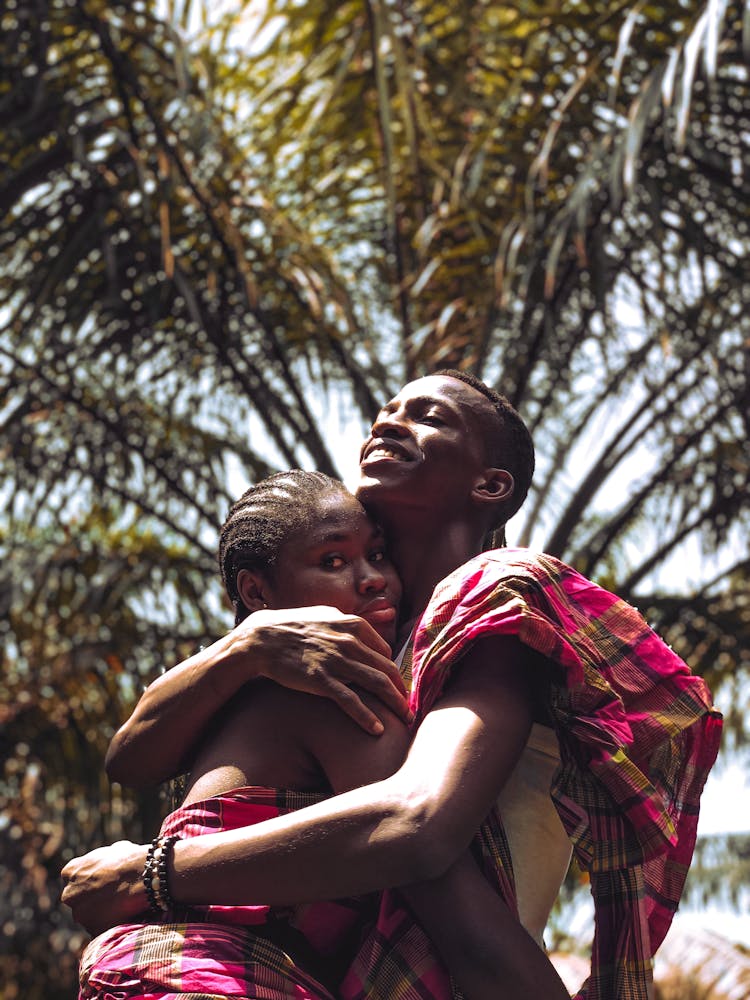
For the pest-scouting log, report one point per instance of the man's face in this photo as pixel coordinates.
(426, 447)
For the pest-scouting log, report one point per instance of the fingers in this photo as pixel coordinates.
(367, 634)
(310, 620)
(324, 652)
(352, 705)
(382, 680)
(376, 654)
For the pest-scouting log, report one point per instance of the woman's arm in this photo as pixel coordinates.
(318, 650)
(409, 827)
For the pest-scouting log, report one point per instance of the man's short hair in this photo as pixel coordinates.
(507, 441)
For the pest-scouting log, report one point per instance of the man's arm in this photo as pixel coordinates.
(475, 933)
(481, 942)
(479, 939)
(409, 827)
(317, 650)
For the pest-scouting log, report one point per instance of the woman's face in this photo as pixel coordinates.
(340, 561)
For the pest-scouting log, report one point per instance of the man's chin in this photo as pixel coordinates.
(385, 472)
(389, 489)
(371, 488)
(366, 483)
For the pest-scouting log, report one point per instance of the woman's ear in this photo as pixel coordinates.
(251, 588)
(494, 486)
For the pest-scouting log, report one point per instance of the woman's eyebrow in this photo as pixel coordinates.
(328, 537)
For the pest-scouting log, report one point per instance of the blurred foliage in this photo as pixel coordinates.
(224, 225)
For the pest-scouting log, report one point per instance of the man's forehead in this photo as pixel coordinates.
(458, 395)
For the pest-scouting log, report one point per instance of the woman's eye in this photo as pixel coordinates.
(377, 557)
(332, 562)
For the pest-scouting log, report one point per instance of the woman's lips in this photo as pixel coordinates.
(379, 616)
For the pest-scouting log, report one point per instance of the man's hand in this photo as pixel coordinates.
(323, 652)
(104, 887)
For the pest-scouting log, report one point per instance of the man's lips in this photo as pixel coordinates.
(385, 450)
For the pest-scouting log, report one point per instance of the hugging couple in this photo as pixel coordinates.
(402, 849)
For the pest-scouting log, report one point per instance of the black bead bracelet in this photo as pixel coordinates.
(155, 874)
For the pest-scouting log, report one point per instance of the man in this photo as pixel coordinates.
(508, 640)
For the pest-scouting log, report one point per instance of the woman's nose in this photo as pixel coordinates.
(370, 579)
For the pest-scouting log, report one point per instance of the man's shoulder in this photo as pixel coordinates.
(506, 576)
(483, 578)
(509, 562)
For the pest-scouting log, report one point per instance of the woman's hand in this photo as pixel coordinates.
(105, 886)
(318, 650)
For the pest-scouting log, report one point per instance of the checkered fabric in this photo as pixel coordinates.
(637, 730)
(638, 735)
(217, 952)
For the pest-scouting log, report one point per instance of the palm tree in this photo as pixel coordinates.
(224, 229)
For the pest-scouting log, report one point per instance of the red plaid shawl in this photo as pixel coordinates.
(638, 735)
(216, 952)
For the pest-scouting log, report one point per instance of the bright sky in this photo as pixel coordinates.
(725, 806)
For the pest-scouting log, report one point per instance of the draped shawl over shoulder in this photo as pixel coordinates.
(637, 730)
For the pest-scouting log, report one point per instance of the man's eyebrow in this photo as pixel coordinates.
(423, 401)
(427, 401)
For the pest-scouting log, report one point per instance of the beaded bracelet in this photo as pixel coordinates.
(155, 874)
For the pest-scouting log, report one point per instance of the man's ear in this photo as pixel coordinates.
(251, 588)
(494, 486)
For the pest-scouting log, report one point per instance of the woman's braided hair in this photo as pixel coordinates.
(264, 519)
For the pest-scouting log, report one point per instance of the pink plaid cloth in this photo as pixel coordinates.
(638, 735)
(216, 952)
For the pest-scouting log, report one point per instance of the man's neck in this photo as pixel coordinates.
(425, 554)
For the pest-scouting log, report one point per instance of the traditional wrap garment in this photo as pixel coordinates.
(214, 952)
(638, 735)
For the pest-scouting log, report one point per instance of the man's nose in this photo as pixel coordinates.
(389, 425)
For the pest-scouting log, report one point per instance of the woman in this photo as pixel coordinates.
(297, 538)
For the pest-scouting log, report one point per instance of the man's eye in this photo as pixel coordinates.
(434, 419)
(378, 556)
(332, 562)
